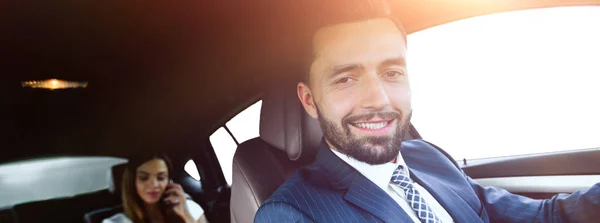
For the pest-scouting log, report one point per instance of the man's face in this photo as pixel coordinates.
(359, 89)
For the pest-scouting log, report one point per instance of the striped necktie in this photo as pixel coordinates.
(413, 197)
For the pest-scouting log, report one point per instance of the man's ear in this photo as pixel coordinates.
(307, 100)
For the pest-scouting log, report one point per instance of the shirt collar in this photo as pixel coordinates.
(379, 174)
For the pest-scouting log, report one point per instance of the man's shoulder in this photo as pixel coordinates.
(420, 151)
(305, 181)
(420, 145)
(302, 197)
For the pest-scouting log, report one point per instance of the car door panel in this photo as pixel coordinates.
(539, 175)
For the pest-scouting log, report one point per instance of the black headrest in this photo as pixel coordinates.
(115, 178)
(285, 124)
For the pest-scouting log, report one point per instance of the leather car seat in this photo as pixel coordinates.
(289, 139)
(115, 176)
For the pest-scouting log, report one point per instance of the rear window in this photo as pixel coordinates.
(224, 147)
(42, 179)
(509, 84)
(242, 127)
(191, 169)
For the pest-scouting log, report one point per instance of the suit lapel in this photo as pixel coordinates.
(454, 204)
(368, 196)
(424, 166)
(361, 192)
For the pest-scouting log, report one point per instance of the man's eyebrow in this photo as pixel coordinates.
(337, 70)
(398, 61)
(143, 172)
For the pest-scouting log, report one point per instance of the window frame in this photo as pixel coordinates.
(222, 123)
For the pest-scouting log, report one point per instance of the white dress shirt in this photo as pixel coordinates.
(381, 175)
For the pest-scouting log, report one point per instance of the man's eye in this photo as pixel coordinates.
(143, 178)
(392, 74)
(160, 178)
(345, 80)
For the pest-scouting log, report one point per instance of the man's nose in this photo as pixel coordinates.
(373, 93)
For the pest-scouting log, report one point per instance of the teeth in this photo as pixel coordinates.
(377, 125)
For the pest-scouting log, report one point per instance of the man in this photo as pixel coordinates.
(358, 89)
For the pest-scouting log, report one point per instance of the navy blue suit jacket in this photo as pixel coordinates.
(330, 190)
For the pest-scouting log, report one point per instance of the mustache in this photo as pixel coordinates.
(386, 115)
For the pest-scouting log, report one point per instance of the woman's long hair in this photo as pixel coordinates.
(132, 203)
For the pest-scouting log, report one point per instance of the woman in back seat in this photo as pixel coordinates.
(150, 196)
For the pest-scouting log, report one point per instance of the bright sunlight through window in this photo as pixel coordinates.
(508, 84)
(244, 125)
(224, 147)
(191, 169)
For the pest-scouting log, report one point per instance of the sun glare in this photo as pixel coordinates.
(510, 83)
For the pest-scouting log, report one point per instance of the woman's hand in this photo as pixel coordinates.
(177, 199)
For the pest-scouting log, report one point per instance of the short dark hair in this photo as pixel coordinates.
(319, 14)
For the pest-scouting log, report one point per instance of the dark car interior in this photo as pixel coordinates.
(171, 74)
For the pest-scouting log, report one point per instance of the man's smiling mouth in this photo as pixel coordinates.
(371, 125)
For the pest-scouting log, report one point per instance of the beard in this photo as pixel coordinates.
(373, 150)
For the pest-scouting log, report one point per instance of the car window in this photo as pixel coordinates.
(243, 126)
(191, 169)
(508, 84)
(49, 178)
(224, 147)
